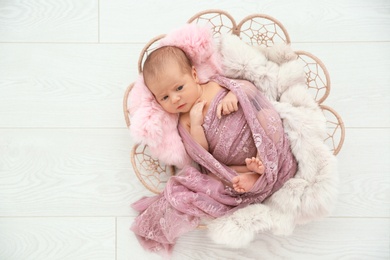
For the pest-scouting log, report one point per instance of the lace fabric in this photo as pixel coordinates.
(255, 129)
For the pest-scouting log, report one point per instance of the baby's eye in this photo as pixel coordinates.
(180, 88)
(164, 98)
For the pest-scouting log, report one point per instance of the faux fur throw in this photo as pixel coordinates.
(150, 124)
(312, 193)
(276, 71)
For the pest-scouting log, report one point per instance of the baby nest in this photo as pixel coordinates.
(284, 209)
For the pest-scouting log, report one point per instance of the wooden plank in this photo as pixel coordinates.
(60, 172)
(57, 238)
(66, 180)
(363, 168)
(359, 81)
(49, 21)
(333, 238)
(86, 172)
(326, 21)
(131, 21)
(62, 85)
(127, 244)
(333, 21)
(65, 85)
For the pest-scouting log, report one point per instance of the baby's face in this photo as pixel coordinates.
(175, 90)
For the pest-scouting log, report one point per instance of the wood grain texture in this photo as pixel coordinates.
(364, 179)
(128, 246)
(48, 21)
(333, 238)
(66, 182)
(88, 82)
(67, 85)
(60, 172)
(358, 80)
(87, 172)
(57, 238)
(323, 21)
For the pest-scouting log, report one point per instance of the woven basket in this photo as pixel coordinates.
(257, 29)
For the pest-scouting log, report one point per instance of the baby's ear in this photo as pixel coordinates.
(194, 74)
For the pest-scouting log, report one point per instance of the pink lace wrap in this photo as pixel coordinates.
(255, 129)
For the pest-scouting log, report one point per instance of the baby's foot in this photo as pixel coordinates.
(254, 164)
(245, 181)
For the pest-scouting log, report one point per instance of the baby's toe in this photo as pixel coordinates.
(239, 189)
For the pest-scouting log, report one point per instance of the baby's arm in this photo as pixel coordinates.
(195, 124)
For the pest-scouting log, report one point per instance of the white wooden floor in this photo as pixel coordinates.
(66, 181)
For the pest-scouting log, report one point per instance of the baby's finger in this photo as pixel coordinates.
(219, 110)
(235, 106)
(202, 105)
(230, 107)
(227, 109)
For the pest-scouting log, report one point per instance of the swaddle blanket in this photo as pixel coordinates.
(254, 129)
(309, 195)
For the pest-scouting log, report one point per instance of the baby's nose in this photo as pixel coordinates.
(175, 98)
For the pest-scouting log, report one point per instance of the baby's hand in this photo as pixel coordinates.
(196, 113)
(228, 104)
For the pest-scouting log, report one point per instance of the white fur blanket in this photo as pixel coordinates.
(311, 194)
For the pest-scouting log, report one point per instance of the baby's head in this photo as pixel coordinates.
(170, 76)
(162, 59)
